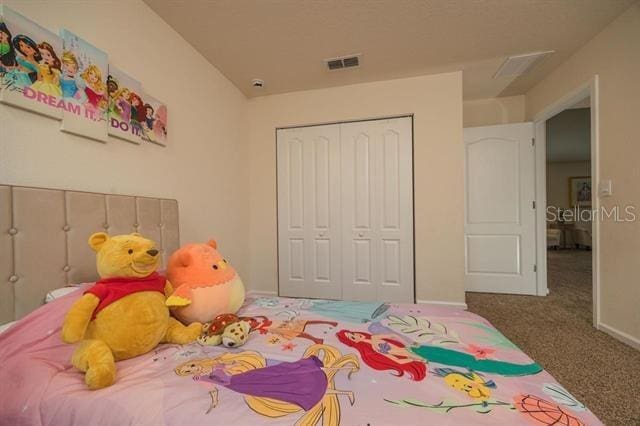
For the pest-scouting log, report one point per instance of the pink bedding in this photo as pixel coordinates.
(310, 362)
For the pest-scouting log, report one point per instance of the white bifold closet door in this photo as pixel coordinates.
(377, 211)
(345, 211)
(309, 212)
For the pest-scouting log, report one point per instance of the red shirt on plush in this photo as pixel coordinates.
(109, 290)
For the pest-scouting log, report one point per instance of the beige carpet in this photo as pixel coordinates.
(556, 331)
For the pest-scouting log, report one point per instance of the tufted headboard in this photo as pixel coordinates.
(44, 233)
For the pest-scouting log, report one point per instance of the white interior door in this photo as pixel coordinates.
(500, 253)
(377, 210)
(309, 212)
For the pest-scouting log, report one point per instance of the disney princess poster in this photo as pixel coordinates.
(83, 83)
(153, 119)
(124, 102)
(30, 65)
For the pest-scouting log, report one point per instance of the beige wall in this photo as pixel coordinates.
(436, 102)
(558, 175)
(614, 55)
(205, 165)
(486, 112)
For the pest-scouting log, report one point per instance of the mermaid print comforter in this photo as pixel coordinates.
(306, 362)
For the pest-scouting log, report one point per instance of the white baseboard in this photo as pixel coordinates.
(620, 335)
(459, 305)
(261, 293)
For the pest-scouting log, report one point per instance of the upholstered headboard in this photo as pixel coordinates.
(44, 233)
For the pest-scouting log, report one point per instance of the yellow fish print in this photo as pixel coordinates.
(470, 383)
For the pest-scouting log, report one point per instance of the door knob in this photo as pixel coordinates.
(321, 234)
(361, 234)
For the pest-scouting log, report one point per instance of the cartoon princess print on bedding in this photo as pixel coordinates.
(415, 364)
(278, 389)
(382, 364)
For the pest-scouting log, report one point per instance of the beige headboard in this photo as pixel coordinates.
(44, 233)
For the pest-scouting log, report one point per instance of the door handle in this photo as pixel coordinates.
(321, 234)
(360, 234)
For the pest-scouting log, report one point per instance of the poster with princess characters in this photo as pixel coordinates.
(153, 120)
(125, 105)
(30, 65)
(67, 78)
(83, 83)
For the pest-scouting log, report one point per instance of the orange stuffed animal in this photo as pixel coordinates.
(204, 282)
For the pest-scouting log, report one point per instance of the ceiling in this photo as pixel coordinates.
(284, 42)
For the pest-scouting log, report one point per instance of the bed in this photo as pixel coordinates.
(306, 361)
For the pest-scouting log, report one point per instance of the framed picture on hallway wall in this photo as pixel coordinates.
(580, 191)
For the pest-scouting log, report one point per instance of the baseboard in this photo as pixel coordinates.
(459, 305)
(620, 335)
(261, 293)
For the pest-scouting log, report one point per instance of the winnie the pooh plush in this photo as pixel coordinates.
(124, 314)
(206, 285)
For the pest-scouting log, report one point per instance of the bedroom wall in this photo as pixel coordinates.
(490, 111)
(436, 102)
(203, 166)
(614, 55)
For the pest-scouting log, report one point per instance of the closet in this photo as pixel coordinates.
(345, 211)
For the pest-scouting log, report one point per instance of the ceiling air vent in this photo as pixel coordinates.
(521, 64)
(350, 61)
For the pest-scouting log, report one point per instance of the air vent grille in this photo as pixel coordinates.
(521, 64)
(350, 61)
(335, 64)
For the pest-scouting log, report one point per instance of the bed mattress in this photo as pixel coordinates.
(306, 362)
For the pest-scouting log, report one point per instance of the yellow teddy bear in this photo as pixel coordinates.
(124, 314)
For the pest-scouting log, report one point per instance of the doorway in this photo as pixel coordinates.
(568, 207)
(584, 96)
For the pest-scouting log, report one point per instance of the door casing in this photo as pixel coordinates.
(587, 89)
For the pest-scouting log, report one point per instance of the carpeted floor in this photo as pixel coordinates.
(556, 331)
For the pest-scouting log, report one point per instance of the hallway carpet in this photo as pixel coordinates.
(556, 331)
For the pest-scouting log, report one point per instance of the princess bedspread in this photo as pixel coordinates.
(306, 362)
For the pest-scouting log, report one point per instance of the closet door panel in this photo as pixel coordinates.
(291, 254)
(359, 215)
(396, 230)
(309, 211)
(390, 180)
(361, 162)
(322, 211)
(322, 170)
(377, 196)
(296, 259)
(295, 167)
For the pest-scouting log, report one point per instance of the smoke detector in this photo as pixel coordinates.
(521, 64)
(257, 82)
(342, 62)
